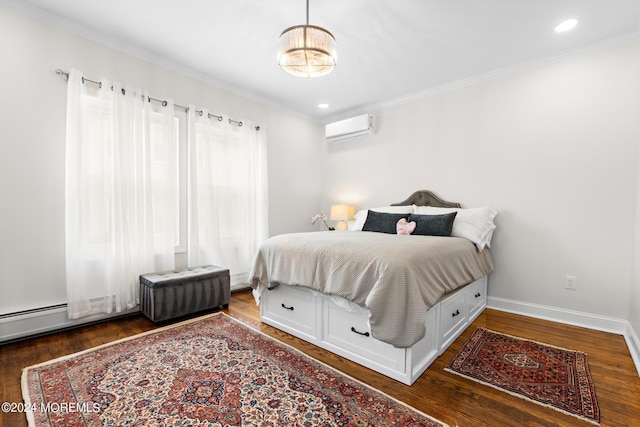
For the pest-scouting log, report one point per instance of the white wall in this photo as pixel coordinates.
(32, 140)
(554, 149)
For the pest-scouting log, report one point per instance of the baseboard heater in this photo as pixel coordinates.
(39, 321)
(24, 324)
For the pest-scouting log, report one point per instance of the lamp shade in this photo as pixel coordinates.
(342, 212)
(307, 51)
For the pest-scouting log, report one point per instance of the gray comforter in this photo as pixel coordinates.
(398, 278)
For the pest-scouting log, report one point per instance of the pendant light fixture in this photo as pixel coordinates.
(307, 50)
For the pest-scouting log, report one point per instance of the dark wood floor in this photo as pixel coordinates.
(449, 398)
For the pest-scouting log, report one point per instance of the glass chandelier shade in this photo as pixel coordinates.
(307, 50)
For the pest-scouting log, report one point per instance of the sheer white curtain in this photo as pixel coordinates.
(120, 194)
(228, 217)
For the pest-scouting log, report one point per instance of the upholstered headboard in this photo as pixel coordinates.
(426, 198)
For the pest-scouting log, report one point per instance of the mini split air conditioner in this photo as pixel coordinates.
(351, 128)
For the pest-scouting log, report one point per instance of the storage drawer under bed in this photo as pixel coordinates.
(476, 298)
(349, 330)
(292, 307)
(453, 318)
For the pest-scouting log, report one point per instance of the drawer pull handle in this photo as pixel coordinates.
(287, 308)
(455, 314)
(366, 334)
(478, 295)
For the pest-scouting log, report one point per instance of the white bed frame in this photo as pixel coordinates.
(341, 327)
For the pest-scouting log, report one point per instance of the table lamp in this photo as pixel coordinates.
(342, 213)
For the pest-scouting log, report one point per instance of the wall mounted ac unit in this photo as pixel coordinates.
(351, 128)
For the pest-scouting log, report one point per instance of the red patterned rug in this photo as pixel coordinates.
(550, 376)
(214, 371)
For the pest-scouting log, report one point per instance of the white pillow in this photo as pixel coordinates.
(475, 224)
(361, 216)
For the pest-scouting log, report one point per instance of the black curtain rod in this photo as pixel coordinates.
(164, 103)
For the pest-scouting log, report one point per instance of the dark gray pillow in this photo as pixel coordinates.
(433, 225)
(382, 222)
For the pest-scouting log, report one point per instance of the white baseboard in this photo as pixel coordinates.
(575, 318)
(633, 342)
(569, 317)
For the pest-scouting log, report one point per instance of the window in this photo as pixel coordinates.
(120, 194)
(227, 194)
(143, 182)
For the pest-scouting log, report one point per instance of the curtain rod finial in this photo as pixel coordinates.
(62, 73)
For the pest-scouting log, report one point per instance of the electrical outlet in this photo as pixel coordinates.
(571, 282)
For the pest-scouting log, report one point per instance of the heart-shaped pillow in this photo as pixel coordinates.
(404, 227)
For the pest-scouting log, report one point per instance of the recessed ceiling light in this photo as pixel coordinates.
(566, 25)
(323, 106)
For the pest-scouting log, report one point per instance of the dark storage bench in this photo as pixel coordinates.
(172, 294)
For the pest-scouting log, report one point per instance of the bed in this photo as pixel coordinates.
(390, 302)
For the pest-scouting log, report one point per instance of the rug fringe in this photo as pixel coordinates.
(24, 385)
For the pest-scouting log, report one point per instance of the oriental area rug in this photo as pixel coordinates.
(211, 371)
(547, 375)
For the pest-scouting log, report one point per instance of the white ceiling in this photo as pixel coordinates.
(388, 50)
